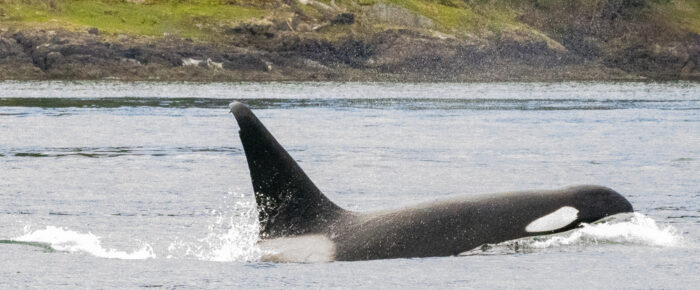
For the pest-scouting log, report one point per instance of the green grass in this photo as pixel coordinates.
(310, 11)
(188, 19)
(458, 17)
(687, 14)
(448, 18)
(202, 19)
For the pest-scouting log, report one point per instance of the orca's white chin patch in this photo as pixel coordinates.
(299, 249)
(553, 221)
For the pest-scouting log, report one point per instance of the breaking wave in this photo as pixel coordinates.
(629, 229)
(61, 239)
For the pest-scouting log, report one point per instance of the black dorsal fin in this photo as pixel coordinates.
(288, 201)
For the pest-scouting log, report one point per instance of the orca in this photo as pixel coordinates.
(291, 207)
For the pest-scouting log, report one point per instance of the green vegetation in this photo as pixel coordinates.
(334, 39)
(448, 17)
(154, 18)
(204, 18)
(457, 16)
(686, 13)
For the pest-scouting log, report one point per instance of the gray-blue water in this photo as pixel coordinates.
(108, 184)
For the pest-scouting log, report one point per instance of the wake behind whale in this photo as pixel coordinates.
(291, 208)
(235, 242)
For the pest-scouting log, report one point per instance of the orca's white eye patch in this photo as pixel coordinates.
(553, 221)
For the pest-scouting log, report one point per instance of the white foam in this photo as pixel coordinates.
(627, 229)
(62, 239)
(639, 229)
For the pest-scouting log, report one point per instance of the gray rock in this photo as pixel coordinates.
(242, 61)
(52, 58)
(9, 48)
(688, 68)
(343, 18)
(392, 14)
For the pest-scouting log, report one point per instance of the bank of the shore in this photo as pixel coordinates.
(355, 41)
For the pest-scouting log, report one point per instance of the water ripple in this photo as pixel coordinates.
(101, 152)
(547, 104)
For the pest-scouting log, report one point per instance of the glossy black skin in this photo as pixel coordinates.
(290, 205)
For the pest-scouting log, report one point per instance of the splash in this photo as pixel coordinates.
(638, 230)
(233, 236)
(628, 229)
(62, 239)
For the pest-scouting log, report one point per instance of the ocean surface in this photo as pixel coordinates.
(128, 185)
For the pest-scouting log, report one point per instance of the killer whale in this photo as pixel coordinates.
(290, 205)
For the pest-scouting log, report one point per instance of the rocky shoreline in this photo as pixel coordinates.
(291, 51)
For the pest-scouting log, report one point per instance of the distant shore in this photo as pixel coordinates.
(312, 41)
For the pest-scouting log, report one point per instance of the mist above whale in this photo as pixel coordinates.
(290, 206)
